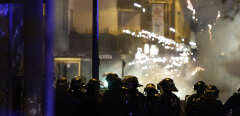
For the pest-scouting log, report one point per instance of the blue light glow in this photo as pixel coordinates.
(3, 9)
(49, 58)
(3, 12)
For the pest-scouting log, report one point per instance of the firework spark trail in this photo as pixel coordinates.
(197, 69)
(190, 5)
(218, 15)
(191, 8)
(152, 68)
(210, 31)
(165, 42)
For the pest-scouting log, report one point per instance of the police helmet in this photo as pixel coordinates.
(200, 86)
(150, 89)
(212, 90)
(131, 82)
(77, 83)
(93, 84)
(62, 83)
(167, 84)
(113, 80)
(111, 77)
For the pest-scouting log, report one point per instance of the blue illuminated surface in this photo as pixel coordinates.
(49, 97)
(3, 12)
(3, 9)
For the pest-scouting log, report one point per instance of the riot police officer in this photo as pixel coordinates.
(167, 103)
(134, 100)
(233, 104)
(192, 102)
(93, 99)
(124, 85)
(209, 103)
(76, 87)
(150, 90)
(114, 82)
(93, 87)
(151, 93)
(65, 104)
(114, 96)
(62, 84)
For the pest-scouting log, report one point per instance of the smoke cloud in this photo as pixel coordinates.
(220, 56)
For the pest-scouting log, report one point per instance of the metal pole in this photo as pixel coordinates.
(123, 67)
(33, 57)
(95, 34)
(49, 60)
(11, 57)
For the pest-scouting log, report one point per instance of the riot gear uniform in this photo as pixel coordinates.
(193, 101)
(151, 93)
(93, 86)
(65, 104)
(76, 88)
(209, 105)
(62, 83)
(199, 87)
(167, 103)
(233, 103)
(134, 100)
(93, 99)
(167, 85)
(114, 82)
(132, 82)
(212, 91)
(114, 96)
(150, 90)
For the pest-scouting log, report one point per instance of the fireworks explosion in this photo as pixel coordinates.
(151, 65)
(214, 64)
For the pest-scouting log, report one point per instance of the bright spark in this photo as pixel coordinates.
(190, 5)
(210, 31)
(219, 15)
(191, 8)
(172, 29)
(183, 39)
(143, 10)
(137, 5)
(197, 69)
(193, 43)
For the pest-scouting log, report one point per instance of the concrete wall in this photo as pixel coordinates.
(182, 25)
(80, 17)
(129, 20)
(62, 30)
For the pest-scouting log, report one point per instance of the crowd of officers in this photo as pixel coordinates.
(122, 98)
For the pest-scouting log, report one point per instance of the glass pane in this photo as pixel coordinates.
(11, 60)
(3, 53)
(74, 36)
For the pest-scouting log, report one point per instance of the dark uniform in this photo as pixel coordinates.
(93, 100)
(233, 104)
(209, 105)
(193, 101)
(113, 98)
(167, 103)
(151, 95)
(76, 91)
(76, 88)
(65, 104)
(134, 100)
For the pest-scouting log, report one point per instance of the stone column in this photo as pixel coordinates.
(33, 57)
